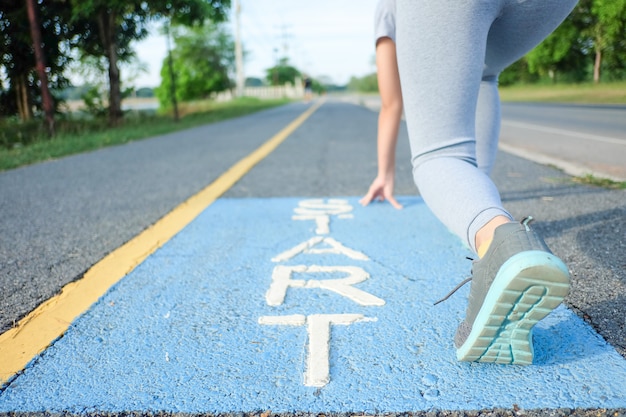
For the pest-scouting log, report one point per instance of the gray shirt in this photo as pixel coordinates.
(385, 20)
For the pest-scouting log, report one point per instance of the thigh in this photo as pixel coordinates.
(441, 51)
(520, 27)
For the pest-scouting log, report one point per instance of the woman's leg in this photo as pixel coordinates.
(441, 54)
(519, 27)
(445, 48)
(487, 123)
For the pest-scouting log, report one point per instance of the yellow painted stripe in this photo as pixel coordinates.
(51, 319)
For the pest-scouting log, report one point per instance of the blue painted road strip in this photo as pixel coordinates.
(304, 305)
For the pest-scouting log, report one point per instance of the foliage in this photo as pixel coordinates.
(366, 84)
(551, 56)
(74, 92)
(282, 73)
(110, 26)
(608, 32)
(20, 93)
(589, 45)
(94, 103)
(317, 87)
(253, 82)
(517, 73)
(144, 92)
(27, 143)
(601, 182)
(203, 59)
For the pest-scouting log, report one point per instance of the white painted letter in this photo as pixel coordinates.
(321, 211)
(281, 281)
(317, 372)
(333, 247)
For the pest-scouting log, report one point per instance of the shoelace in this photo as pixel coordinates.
(525, 221)
(455, 289)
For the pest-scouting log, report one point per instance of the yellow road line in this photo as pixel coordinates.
(51, 319)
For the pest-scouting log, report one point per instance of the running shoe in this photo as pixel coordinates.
(517, 283)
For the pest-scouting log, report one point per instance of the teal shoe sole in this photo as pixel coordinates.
(526, 289)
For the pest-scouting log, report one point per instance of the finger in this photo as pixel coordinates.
(366, 199)
(394, 202)
(374, 193)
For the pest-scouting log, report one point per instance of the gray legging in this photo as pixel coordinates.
(448, 52)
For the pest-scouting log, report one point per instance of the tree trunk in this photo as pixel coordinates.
(18, 98)
(106, 23)
(24, 108)
(46, 97)
(596, 66)
(170, 63)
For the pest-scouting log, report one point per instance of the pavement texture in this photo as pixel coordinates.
(254, 318)
(584, 225)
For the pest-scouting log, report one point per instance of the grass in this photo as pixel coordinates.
(588, 93)
(601, 182)
(29, 144)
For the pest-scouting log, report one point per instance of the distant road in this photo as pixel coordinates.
(580, 139)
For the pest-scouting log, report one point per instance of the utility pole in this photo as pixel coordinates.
(238, 50)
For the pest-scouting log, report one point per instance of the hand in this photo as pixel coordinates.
(380, 190)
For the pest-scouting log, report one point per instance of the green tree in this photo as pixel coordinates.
(111, 26)
(282, 73)
(203, 59)
(517, 73)
(607, 29)
(253, 82)
(592, 39)
(365, 84)
(556, 53)
(21, 92)
(614, 64)
(17, 59)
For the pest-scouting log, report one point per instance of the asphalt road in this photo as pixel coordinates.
(579, 139)
(60, 217)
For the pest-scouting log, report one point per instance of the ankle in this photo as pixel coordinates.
(484, 236)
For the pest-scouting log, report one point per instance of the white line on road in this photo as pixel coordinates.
(579, 135)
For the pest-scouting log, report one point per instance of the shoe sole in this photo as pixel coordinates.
(526, 289)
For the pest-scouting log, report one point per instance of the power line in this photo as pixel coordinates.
(285, 35)
(255, 29)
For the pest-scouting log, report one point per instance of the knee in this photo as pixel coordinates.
(456, 149)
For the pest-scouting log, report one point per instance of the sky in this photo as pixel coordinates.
(330, 38)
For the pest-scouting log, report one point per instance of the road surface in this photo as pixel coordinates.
(61, 218)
